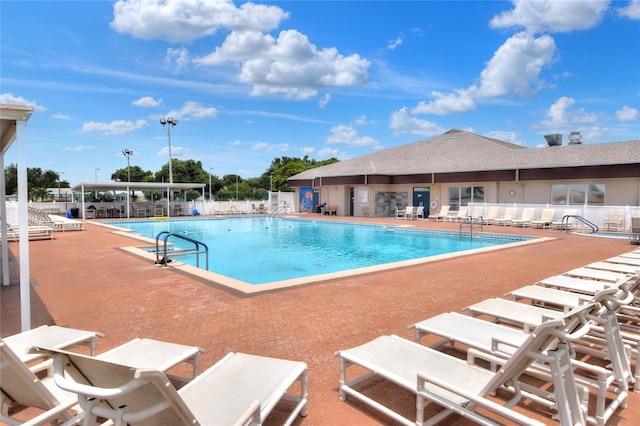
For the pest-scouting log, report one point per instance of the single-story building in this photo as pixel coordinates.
(458, 168)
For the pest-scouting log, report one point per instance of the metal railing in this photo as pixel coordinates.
(566, 225)
(180, 252)
(470, 221)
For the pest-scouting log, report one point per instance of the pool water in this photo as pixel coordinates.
(260, 250)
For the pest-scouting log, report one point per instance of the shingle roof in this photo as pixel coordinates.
(456, 151)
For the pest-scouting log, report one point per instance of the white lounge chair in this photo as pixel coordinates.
(614, 221)
(408, 212)
(477, 212)
(545, 220)
(595, 274)
(461, 387)
(237, 389)
(52, 336)
(614, 267)
(20, 386)
(418, 213)
(463, 212)
(441, 215)
(492, 213)
(399, 212)
(506, 218)
(567, 221)
(525, 219)
(610, 385)
(634, 230)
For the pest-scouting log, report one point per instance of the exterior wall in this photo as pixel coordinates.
(382, 197)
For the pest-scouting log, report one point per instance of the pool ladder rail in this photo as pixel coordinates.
(470, 222)
(198, 249)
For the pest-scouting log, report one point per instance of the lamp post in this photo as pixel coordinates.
(210, 168)
(236, 187)
(128, 153)
(97, 168)
(59, 178)
(171, 122)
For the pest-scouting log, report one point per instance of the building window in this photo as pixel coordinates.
(463, 195)
(578, 194)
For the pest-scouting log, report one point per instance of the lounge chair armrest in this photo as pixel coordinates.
(487, 404)
(251, 416)
(493, 358)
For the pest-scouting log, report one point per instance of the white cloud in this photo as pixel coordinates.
(178, 58)
(61, 116)
(9, 98)
(147, 102)
(80, 148)
(631, 11)
(331, 152)
(186, 20)
(179, 152)
(401, 122)
(116, 127)
(394, 43)
(504, 136)
(348, 135)
(288, 65)
(264, 146)
(516, 66)
(552, 15)
(446, 103)
(324, 100)
(627, 114)
(192, 110)
(364, 121)
(562, 115)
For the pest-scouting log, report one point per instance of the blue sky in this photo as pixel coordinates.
(250, 82)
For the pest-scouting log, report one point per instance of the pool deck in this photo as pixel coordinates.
(86, 280)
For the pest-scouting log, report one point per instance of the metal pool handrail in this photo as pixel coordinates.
(165, 260)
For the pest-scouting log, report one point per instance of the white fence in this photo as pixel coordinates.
(277, 199)
(595, 214)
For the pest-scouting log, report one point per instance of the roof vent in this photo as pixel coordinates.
(575, 138)
(554, 139)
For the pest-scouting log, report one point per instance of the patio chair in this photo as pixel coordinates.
(492, 213)
(595, 274)
(614, 221)
(625, 260)
(477, 212)
(441, 215)
(408, 212)
(525, 219)
(399, 212)
(461, 215)
(418, 213)
(506, 218)
(610, 384)
(634, 230)
(52, 336)
(237, 389)
(462, 387)
(567, 221)
(19, 386)
(545, 220)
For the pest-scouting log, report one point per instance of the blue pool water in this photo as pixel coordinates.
(260, 250)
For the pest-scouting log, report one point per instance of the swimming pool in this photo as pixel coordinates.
(259, 250)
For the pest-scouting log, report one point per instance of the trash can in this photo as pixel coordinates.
(75, 212)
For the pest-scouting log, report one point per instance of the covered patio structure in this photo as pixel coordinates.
(165, 208)
(13, 120)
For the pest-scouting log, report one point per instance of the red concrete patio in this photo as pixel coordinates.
(84, 280)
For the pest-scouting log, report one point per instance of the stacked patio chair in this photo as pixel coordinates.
(596, 312)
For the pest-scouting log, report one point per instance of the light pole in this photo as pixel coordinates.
(172, 123)
(59, 178)
(236, 187)
(128, 153)
(271, 182)
(210, 168)
(97, 168)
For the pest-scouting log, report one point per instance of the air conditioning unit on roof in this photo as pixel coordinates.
(554, 139)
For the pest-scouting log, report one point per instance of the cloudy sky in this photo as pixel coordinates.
(252, 81)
